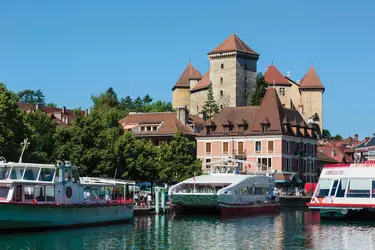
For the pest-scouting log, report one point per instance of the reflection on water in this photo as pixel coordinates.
(287, 230)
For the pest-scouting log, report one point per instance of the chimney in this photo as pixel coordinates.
(63, 110)
(182, 114)
(86, 112)
(288, 74)
(356, 137)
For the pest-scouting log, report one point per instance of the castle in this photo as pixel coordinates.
(232, 72)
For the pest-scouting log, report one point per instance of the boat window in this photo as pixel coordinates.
(39, 193)
(341, 188)
(46, 174)
(58, 176)
(94, 194)
(373, 189)
(28, 192)
(4, 193)
(31, 173)
(334, 186)
(75, 176)
(102, 193)
(68, 174)
(86, 193)
(359, 188)
(4, 173)
(324, 186)
(17, 173)
(50, 193)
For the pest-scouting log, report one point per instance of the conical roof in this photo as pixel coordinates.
(311, 80)
(274, 76)
(190, 73)
(231, 44)
(270, 110)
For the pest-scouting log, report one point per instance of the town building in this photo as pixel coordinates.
(232, 72)
(269, 136)
(162, 126)
(62, 116)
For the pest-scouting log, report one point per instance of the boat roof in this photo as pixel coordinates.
(94, 180)
(24, 164)
(217, 179)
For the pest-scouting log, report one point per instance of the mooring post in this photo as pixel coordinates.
(163, 200)
(157, 200)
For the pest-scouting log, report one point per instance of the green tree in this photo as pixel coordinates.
(326, 134)
(338, 137)
(51, 105)
(158, 106)
(138, 104)
(126, 104)
(31, 96)
(210, 108)
(177, 159)
(41, 131)
(147, 99)
(257, 95)
(12, 127)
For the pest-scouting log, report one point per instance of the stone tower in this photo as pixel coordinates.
(233, 67)
(312, 90)
(181, 90)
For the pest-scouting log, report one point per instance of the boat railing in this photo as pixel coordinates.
(2, 160)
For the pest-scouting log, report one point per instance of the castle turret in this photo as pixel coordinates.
(181, 90)
(312, 90)
(233, 67)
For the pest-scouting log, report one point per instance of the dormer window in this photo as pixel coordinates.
(265, 128)
(241, 128)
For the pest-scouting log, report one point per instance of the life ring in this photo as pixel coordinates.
(34, 201)
(69, 192)
(344, 211)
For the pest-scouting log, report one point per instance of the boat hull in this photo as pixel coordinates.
(230, 210)
(347, 214)
(38, 216)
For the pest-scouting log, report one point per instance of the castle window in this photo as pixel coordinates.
(221, 80)
(222, 65)
(221, 93)
(282, 91)
(221, 106)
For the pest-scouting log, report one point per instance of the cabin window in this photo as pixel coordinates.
(31, 173)
(324, 187)
(28, 192)
(39, 193)
(58, 176)
(68, 175)
(4, 193)
(358, 188)
(4, 173)
(225, 147)
(50, 193)
(94, 194)
(341, 188)
(46, 174)
(334, 187)
(86, 193)
(17, 173)
(75, 176)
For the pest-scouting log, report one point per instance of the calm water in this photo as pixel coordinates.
(287, 230)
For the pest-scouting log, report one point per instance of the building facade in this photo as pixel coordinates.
(269, 137)
(232, 72)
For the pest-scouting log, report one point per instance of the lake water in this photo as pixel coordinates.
(286, 230)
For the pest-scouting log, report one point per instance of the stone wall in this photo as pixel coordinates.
(197, 100)
(312, 102)
(246, 69)
(180, 97)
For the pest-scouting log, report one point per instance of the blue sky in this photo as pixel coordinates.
(73, 49)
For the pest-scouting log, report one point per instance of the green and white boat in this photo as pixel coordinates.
(40, 196)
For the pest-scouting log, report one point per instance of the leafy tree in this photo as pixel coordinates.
(257, 95)
(41, 131)
(126, 104)
(51, 105)
(12, 128)
(210, 108)
(326, 134)
(158, 106)
(138, 104)
(106, 100)
(147, 99)
(338, 137)
(31, 96)
(177, 161)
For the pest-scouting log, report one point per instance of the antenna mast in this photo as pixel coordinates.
(25, 143)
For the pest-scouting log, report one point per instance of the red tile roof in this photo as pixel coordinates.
(168, 122)
(311, 80)
(190, 73)
(273, 76)
(203, 83)
(231, 44)
(325, 158)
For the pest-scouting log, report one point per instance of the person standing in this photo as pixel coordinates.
(149, 200)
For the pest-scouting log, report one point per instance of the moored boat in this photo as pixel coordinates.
(40, 196)
(227, 192)
(346, 191)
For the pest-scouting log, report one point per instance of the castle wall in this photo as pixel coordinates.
(197, 100)
(180, 97)
(312, 102)
(246, 79)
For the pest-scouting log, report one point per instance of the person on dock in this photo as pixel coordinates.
(149, 200)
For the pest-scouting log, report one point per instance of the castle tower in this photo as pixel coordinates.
(312, 89)
(233, 67)
(181, 90)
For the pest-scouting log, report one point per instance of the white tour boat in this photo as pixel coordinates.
(225, 191)
(346, 191)
(51, 196)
